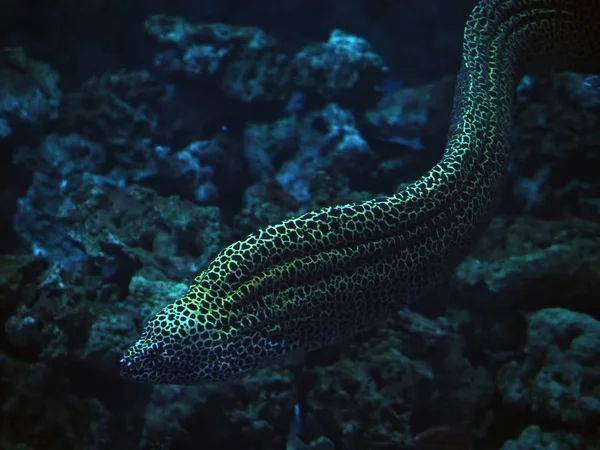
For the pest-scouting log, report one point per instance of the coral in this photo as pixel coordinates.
(559, 377)
(40, 412)
(121, 111)
(63, 157)
(292, 149)
(533, 437)
(524, 262)
(46, 319)
(29, 90)
(245, 63)
(409, 369)
(557, 128)
(134, 228)
(242, 59)
(343, 69)
(179, 32)
(58, 164)
(257, 412)
(407, 115)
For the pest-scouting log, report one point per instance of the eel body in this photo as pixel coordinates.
(323, 276)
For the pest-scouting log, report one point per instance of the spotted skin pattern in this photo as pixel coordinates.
(321, 277)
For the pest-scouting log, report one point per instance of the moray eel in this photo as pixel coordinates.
(323, 276)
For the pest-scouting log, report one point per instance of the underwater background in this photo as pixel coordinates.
(139, 138)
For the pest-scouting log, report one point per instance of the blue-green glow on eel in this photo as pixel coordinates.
(321, 277)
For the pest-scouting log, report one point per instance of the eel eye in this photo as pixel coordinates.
(277, 339)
